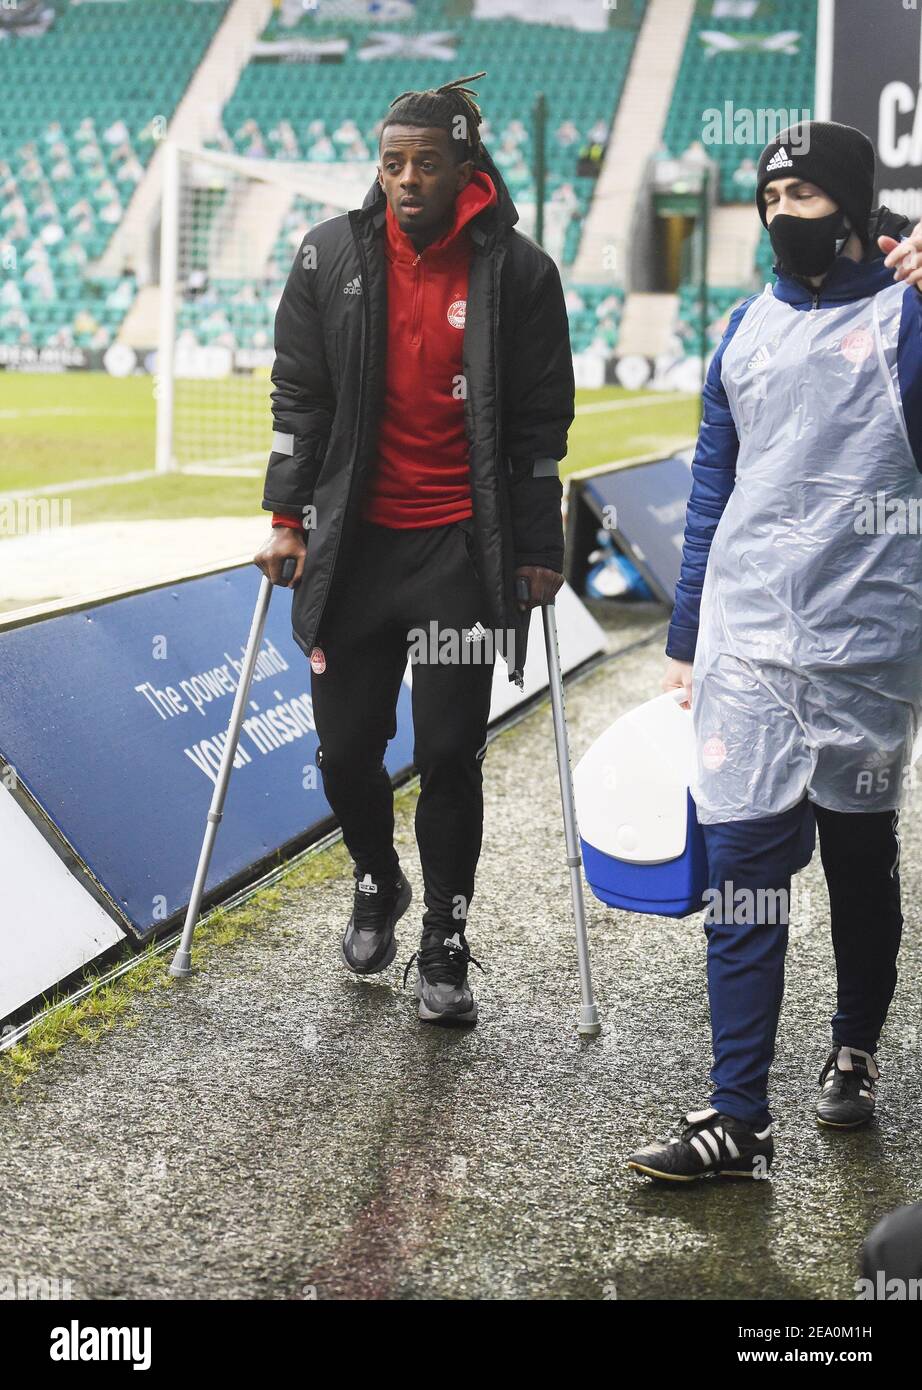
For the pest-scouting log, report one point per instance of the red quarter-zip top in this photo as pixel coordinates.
(421, 476)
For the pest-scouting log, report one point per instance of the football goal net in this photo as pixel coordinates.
(230, 229)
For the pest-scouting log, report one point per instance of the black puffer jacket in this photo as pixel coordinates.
(329, 376)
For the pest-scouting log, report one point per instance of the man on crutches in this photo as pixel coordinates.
(423, 390)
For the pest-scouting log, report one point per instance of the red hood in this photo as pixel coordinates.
(480, 193)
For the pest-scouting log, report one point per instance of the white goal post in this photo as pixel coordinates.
(230, 227)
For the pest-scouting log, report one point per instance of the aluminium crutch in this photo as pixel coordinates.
(182, 961)
(589, 1024)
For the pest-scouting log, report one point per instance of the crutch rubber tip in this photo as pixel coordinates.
(182, 965)
(589, 1023)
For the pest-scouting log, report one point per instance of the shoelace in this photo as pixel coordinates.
(443, 963)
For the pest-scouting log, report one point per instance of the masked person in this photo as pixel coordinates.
(423, 390)
(797, 632)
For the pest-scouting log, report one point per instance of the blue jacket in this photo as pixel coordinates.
(714, 463)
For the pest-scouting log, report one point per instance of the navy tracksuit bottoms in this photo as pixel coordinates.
(750, 864)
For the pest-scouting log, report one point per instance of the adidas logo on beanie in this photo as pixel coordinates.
(779, 160)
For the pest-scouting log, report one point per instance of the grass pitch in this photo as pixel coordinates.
(85, 426)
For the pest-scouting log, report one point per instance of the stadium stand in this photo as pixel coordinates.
(739, 58)
(73, 149)
(277, 112)
(765, 62)
(332, 111)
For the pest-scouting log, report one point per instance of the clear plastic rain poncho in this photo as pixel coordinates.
(808, 667)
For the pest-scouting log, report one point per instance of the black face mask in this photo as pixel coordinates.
(807, 245)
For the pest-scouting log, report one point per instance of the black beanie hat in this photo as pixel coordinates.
(838, 158)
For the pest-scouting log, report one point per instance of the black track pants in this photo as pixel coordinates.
(400, 583)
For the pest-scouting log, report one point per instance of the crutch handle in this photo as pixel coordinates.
(523, 591)
(288, 569)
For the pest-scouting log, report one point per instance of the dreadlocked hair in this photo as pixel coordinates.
(451, 108)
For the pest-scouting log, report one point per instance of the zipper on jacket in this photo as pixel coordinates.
(358, 414)
(417, 300)
(816, 299)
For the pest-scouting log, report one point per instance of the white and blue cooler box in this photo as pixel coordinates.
(643, 849)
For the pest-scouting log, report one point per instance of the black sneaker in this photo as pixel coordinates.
(711, 1145)
(847, 1093)
(441, 979)
(369, 944)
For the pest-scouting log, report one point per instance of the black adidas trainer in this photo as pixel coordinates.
(710, 1145)
(369, 944)
(847, 1089)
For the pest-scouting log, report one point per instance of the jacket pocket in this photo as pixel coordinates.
(467, 534)
(331, 347)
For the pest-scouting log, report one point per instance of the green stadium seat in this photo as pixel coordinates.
(149, 50)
